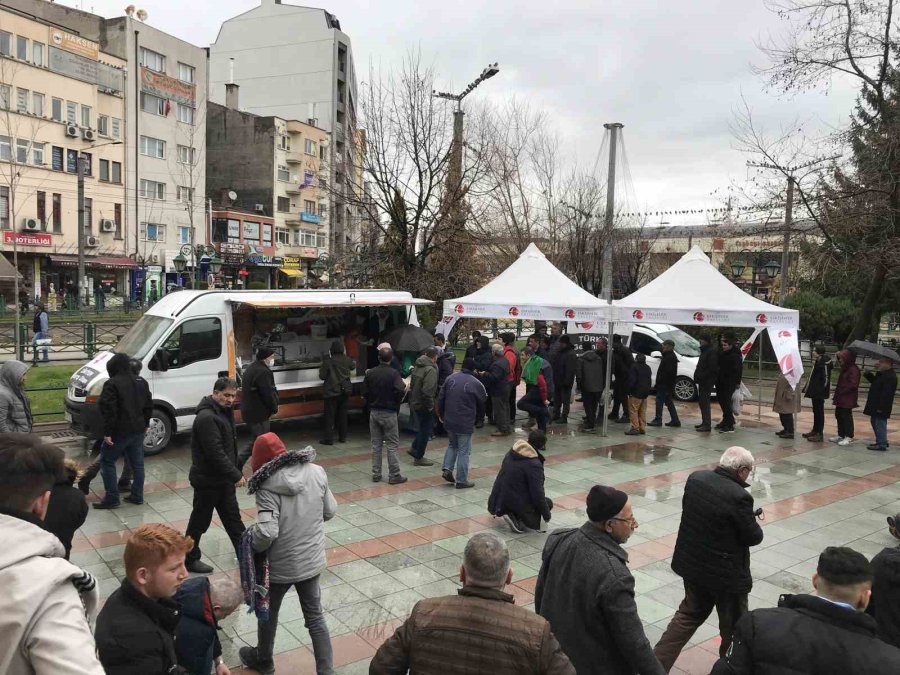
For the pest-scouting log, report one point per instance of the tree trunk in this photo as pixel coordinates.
(864, 319)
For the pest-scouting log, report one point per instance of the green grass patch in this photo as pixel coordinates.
(42, 377)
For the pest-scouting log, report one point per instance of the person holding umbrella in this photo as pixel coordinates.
(880, 402)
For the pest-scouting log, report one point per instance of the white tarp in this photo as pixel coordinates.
(694, 293)
(531, 288)
(787, 351)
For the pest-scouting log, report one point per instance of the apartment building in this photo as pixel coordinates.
(295, 63)
(272, 167)
(62, 100)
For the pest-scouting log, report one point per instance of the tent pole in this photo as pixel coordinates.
(606, 404)
(759, 380)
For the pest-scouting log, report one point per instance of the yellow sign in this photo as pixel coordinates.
(290, 262)
(74, 43)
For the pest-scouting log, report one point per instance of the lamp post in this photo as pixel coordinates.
(197, 254)
(770, 268)
(325, 263)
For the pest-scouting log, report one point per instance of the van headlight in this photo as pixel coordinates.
(92, 394)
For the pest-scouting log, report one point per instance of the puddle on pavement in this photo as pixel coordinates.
(635, 452)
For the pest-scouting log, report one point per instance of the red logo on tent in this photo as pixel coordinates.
(587, 325)
(762, 318)
(698, 316)
(460, 309)
(570, 313)
(785, 333)
(514, 311)
(637, 314)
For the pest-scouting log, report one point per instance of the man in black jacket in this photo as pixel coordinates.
(384, 391)
(259, 399)
(823, 634)
(496, 383)
(446, 364)
(518, 492)
(731, 366)
(136, 627)
(214, 474)
(125, 408)
(335, 372)
(712, 552)
(639, 385)
(880, 402)
(705, 375)
(565, 364)
(885, 602)
(666, 375)
(622, 362)
(590, 371)
(423, 389)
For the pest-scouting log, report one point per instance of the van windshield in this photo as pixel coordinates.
(143, 335)
(685, 345)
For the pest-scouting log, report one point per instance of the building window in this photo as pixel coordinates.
(88, 216)
(251, 232)
(116, 173)
(186, 155)
(309, 146)
(284, 204)
(306, 238)
(5, 148)
(322, 152)
(5, 43)
(4, 206)
(116, 127)
(56, 109)
(86, 116)
(42, 209)
(322, 208)
(56, 158)
(153, 147)
(57, 213)
(37, 53)
(21, 100)
(152, 190)
(284, 142)
(37, 154)
(4, 96)
(22, 151)
(309, 206)
(185, 73)
(37, 104)
(104, 170)
(88, 159)
(72, 161)
(184, 233)
(185, 194)
(185, 113)
(267, 234)
(71, 112)
(153, 60)
(153, 104)
(283, 173)
(152, 232)
(309, 178)
(21, 48)
(117, 216)
(283, 236)
(103, 125)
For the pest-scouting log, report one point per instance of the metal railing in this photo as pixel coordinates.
(73, 340)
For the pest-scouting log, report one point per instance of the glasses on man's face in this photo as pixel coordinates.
(631, 521)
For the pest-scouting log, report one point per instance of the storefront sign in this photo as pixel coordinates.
(264, 260)
(310, 217)
(167, 87)
(74, 43)
(309, 252)
(27, 239)
(87, 70)
(235, 249)
(291, 262)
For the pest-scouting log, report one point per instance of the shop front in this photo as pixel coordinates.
(59, 277)
(263, 267)
(291, 276)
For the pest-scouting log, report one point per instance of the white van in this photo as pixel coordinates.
(190, 338)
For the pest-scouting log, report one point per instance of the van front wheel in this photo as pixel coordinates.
(159, 432)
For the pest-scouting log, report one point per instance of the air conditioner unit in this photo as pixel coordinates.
(72, 130)
(260, 208)
(31, 225)
(107, 225)
(154, 258)
(92, 241)
(87, 134)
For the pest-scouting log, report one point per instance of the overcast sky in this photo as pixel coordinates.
(672, 72)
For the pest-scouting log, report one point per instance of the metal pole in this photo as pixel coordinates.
(82, 285)
(759, 379)
(785, 254)
(613, 128)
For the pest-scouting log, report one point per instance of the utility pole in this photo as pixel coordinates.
(82, 281)
(614, 129)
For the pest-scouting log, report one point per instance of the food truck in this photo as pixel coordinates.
(190, 338)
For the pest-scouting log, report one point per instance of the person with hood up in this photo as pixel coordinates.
(259, 398)
(422, 394)
(125, 408)
(495, 379)
(203, 602)
(817, 389)
(846, 397)
(591, 374)
(534, 402)
(335, 371)
(565, 364)
(880, 402)
(293, 501)
(472, 349)
(518, 493)
(46, 600)
(67, 509)
(15, 408)
(639, 385)
(786, 404)
(214, 474)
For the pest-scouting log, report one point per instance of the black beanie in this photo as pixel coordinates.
(604, 502)
(263, 353)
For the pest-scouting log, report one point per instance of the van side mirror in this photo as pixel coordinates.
(656, 355)
(160, 361)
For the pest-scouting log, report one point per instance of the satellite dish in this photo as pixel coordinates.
(232, 195)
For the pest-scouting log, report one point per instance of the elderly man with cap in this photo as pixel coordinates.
(259, 399)
(827, 633)
(712, 552)
(586, 591)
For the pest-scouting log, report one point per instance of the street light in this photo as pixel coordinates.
(770, 269)
(197, 254)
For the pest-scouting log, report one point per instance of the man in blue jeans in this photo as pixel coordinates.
(460, 402)
(880, 403)
(666, 375)
(125, 408)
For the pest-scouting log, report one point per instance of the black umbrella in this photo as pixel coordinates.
(410, 338)
(874, 351)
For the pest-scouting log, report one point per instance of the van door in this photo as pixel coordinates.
(197, 355)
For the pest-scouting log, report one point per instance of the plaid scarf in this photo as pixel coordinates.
(254, 577)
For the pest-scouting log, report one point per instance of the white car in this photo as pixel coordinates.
(647, 339)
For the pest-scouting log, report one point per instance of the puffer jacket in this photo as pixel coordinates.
(423, 384)
(45, 629)
(591, 372)
(640, 379)
(819, 383)
(293, 501)
(213, 446)
(882, 388)
(846, 391)
(480, 630)
(519, 487)
(807, 635)
(786, 401)
(716, 532)
(884, 604)
(196, 638)
(15, 409)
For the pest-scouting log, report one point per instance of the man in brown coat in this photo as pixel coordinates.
(478, 631)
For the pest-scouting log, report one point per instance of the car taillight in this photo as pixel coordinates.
(91, 399)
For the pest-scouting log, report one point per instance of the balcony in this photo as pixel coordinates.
(293, 157)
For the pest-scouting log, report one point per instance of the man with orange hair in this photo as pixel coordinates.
(136, 626)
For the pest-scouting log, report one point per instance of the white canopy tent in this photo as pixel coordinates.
(531, 288)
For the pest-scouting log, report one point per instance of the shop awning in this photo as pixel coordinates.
(288, 272)
(101, 261)
(313, 301)
(7, 271)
